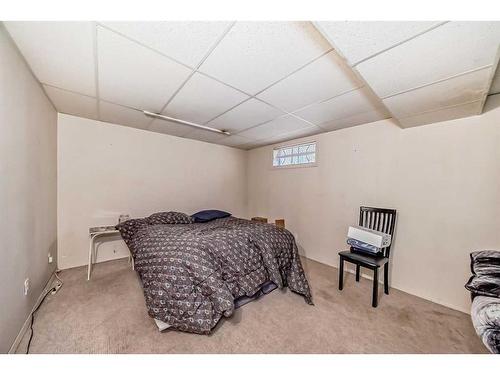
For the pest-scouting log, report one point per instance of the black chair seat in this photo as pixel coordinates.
(371, 260)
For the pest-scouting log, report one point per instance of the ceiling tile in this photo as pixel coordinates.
(187, 42)
(451, 49)
(343, 106)
(135, 76)
(234, 141)
(253, 55)
(456, 112)
(462, 89)
(72, 103)
(120, 115)
(274, 128)
(324, 78)
(60, 54)
(169, 127)
(312, 130)
(357, 119)
(357, 40)
(206, 136)
(250, 113)
(203, 98)
(495, 84)
(253, 144)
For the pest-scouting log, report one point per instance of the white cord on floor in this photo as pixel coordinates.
(52, 291)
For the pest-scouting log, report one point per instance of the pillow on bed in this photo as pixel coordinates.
(169, 217)
(209, 215)
(129, 228)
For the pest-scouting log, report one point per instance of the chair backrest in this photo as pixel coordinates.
(380, 219)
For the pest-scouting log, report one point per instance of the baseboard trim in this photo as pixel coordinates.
(369, 277)
(64, 268)
(26, 324)
(445, 304)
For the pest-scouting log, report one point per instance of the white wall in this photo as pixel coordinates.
(105, 170)
(444, 180)
(27, 190)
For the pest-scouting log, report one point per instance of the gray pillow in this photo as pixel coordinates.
(169, 217)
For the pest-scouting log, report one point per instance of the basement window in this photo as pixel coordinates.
(303, 154)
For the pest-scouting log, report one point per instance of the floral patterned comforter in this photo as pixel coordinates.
(192, 273)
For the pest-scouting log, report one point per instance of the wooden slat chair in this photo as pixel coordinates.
(382, 220)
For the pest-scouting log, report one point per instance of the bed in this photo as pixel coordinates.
(193, 274)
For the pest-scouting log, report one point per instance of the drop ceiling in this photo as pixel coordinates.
(264, 82)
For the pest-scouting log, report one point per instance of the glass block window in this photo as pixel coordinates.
(301, 154)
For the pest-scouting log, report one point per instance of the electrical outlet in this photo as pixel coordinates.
(50, 258)
(26, 286)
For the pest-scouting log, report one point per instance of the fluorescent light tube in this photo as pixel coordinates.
(179, 121)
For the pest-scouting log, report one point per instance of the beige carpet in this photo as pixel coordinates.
(108, 315)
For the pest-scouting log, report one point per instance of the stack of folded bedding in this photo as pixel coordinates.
(486, 262)
(484, 285)
(367, 240)
(485, 279)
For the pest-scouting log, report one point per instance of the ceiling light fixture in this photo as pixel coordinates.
(173, 119)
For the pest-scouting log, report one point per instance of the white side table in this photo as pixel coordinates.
(95, 232)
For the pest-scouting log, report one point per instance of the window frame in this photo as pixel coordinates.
(293, 144)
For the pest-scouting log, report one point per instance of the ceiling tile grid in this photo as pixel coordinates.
(322, 79)
(421, 67)
(262, 81)
(235, 141)
(299, 133)
(133, 75)
(186, 42)
(253, 55)
(274, 128)
(448, 50)
(459, 90)
(201, 99)
(342, 106)
(443, 114)
(359, 40)
(248, 114)
(372, 115)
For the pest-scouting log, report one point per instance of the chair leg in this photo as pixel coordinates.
(375, 288)
(386, 278)
(91, 250)
(357, 272)
(341, 274)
